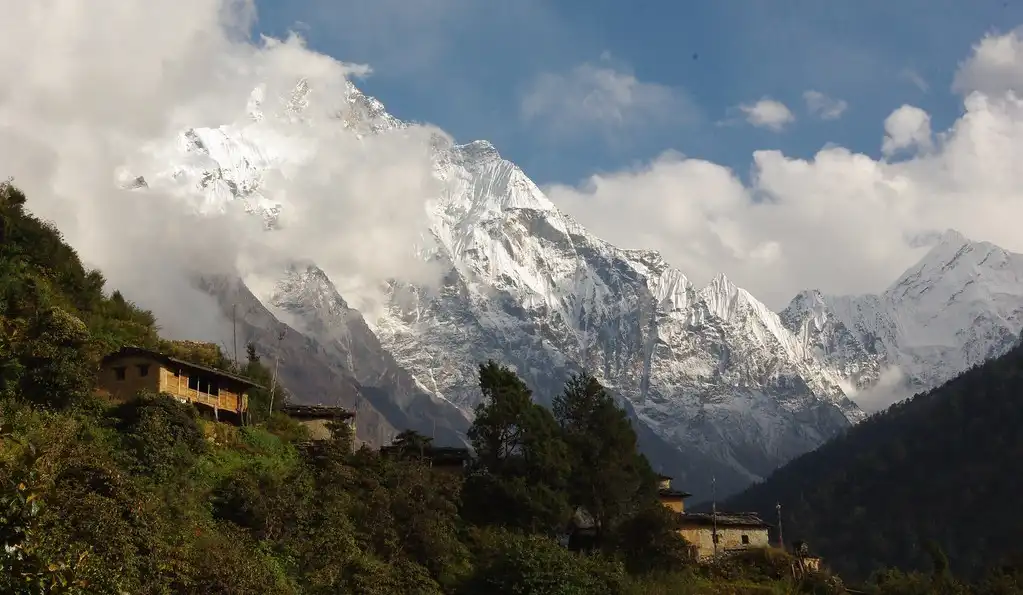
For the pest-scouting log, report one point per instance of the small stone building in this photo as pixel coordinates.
(131, 370)
(804, 562)
(317, 418)
(721, 533)
(672, 498)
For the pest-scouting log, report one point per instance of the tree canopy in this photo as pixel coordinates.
(935, 471)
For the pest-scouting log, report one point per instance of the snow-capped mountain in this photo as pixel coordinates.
(959, 306)
(720, 385)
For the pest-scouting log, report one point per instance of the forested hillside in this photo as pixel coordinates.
(144, 497)
(939, 471)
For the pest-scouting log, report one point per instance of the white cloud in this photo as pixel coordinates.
(601, 97)
(908, 127)
(84, 84)
(994, 67)
(768, 113)
(892, 386)
(842, 222)
(913, 77)
(824, 107)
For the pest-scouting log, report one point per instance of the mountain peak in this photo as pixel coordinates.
(721, 296)
(952, 237)
(808, 300)
(721, 280)
(478, 150)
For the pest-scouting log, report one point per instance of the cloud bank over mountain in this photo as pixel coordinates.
(76, 100)
(844, 222)
(85, 86)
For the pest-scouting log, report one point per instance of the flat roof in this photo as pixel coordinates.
(168, 359)
(317, 411)
(723, 519)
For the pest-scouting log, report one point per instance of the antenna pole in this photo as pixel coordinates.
(714, 513)
(277, 363)
(781, 541)
(234, 331)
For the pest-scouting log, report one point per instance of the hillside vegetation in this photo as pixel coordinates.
(144, 497)
(934, 477)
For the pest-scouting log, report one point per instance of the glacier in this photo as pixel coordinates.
(721, 387)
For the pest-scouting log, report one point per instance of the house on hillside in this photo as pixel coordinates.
(729, 531)
(670, 497)
(804, 562)
(713, 534)
(318, 418)
(127, 372)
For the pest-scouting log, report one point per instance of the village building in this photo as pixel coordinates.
(670, 497)
(132, 370)
(318, 418)
(716, 533)
(804, 561)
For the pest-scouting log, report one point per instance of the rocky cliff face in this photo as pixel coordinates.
(718, 383)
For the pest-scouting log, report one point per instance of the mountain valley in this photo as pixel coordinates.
(723, 388)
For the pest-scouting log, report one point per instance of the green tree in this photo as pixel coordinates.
(518, 478)
(57, 370)
(609, 478)
(411, 442)
(509, 563)
(648, 541)
(162, 435)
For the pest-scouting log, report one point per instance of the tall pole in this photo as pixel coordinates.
(277, 363)
(234, 331)
(714, 513)
(781, 541)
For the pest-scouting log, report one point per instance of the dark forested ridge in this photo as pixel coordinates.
(145, 497)
(939, 470)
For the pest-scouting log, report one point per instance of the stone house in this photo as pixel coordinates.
(125, 373)
(711, 534)
(317, 418)
(720, 533)
(670, 497)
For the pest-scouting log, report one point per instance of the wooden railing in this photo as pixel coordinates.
(227, 404)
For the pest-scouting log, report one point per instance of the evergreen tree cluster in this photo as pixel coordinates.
(931, 483)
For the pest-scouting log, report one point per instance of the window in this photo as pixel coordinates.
(745, 540)
(119, 372)
(193, 382)
(143, 369)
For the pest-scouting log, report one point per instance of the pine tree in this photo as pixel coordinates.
(610, 478)
(519, 477)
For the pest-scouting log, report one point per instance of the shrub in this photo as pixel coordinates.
(508, 563)
(162, 436)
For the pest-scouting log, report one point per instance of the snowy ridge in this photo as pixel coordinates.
(959, 306)
(721, 384)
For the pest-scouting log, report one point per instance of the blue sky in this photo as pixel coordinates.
(467, 66)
